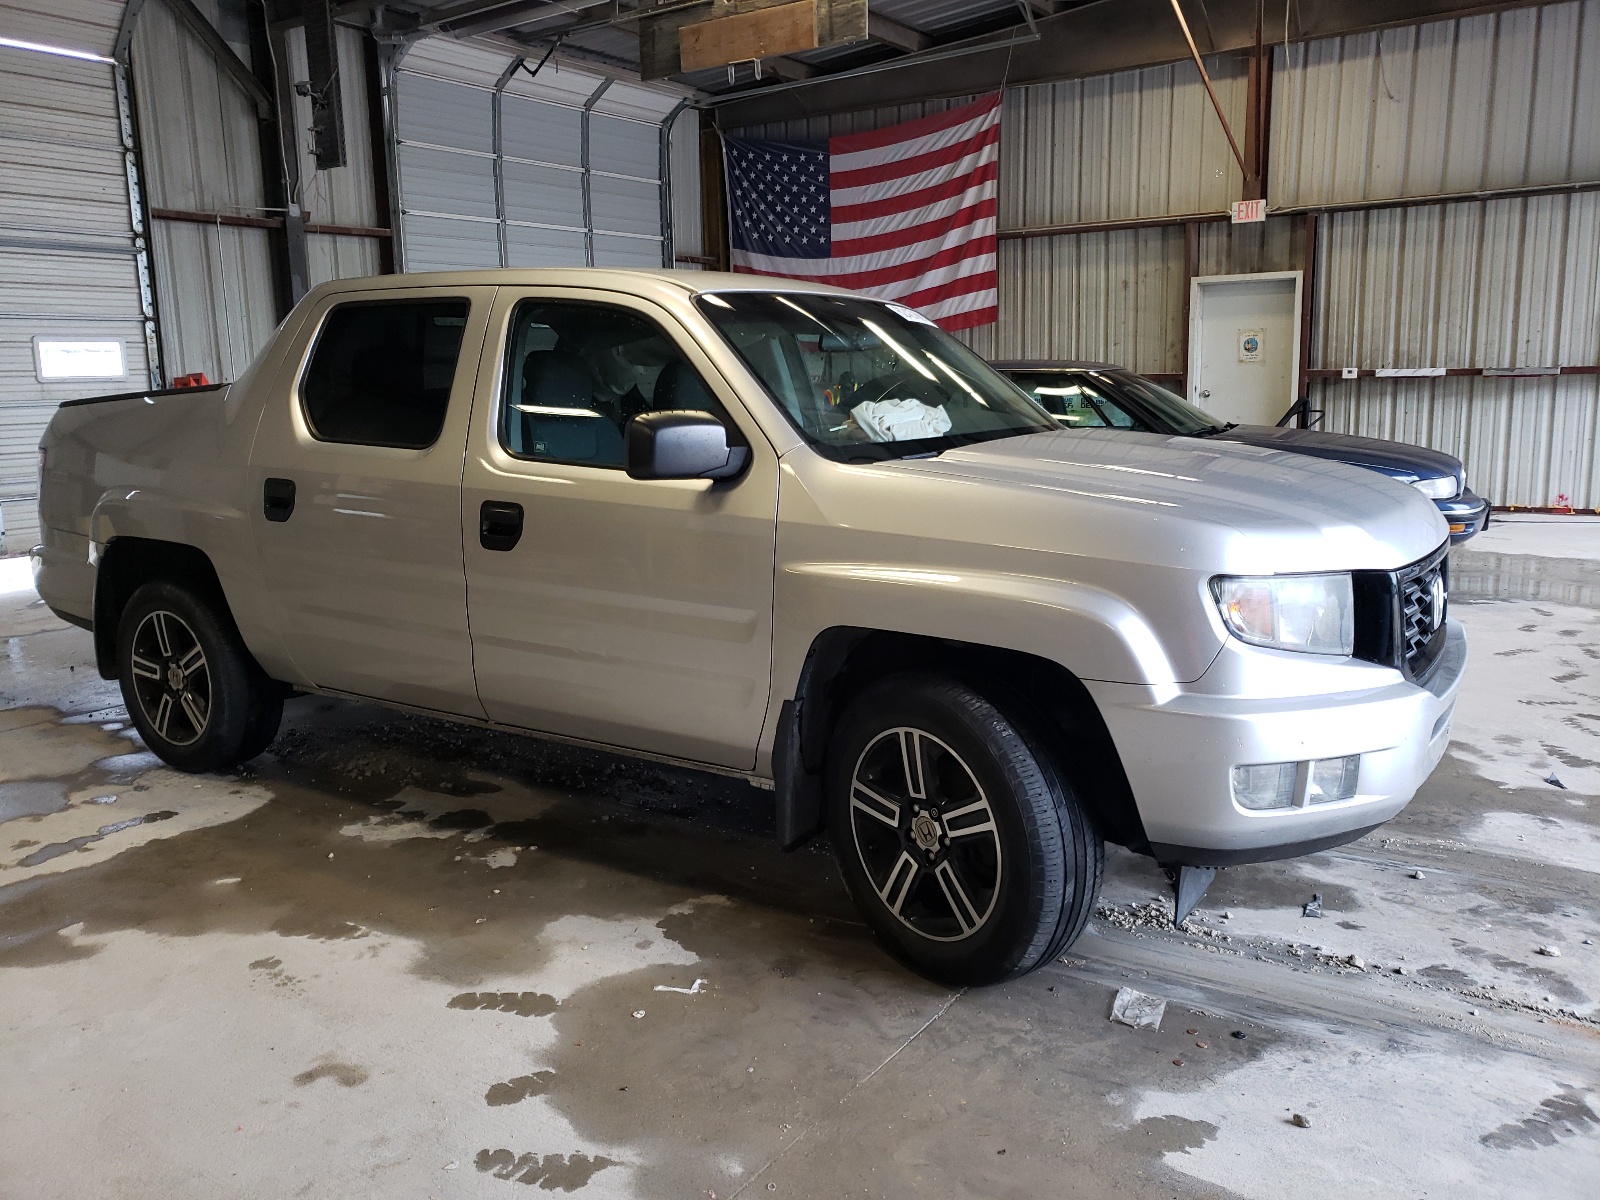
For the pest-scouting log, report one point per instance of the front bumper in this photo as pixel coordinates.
(1466, 513)
(1179, 751)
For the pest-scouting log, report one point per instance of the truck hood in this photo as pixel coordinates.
(1232, 507)
(1393, 458)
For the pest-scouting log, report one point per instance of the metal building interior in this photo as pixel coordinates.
(255, 994)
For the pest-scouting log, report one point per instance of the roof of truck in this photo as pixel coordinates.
(608, 278)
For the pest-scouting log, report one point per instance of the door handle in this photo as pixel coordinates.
(277, 499)
(499, 524)
(1204, 393)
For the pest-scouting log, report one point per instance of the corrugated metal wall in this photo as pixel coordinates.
(200, 141)
(67, 245)
(1493, 101)
(1135, 144)
(1500, 101)
(346, 195)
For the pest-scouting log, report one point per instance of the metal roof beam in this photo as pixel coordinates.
(1093, 39)
(892, 33)
(487, 16)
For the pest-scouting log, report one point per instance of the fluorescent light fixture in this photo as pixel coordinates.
(79, 358)
(62, 51)
(1072, 390)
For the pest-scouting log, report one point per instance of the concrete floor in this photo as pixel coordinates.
(402, 956)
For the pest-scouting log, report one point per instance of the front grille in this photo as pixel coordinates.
(1400, 615)
(1424, 596)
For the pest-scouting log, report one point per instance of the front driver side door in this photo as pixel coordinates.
(634, 613)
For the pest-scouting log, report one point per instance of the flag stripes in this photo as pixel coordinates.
(906, 213)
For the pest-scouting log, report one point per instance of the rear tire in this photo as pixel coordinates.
(967, 852)
(198, 698)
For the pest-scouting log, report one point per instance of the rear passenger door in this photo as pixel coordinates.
(356, 487)
(635, 613)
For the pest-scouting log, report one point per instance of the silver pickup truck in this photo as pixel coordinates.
(783, 532)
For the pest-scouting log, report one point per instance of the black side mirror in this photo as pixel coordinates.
(686, 444)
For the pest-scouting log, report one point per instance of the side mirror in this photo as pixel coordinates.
(686, 444)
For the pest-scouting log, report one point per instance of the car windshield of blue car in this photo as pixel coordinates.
(864, 380)
(1173, 413)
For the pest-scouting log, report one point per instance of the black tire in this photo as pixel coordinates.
(995, 828)
(198, 698)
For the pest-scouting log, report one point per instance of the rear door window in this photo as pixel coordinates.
(381, 372)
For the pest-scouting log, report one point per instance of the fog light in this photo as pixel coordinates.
(1265, 785)
(1334, 779)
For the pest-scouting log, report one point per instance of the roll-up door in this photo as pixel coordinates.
(75, 298)
(489, 177)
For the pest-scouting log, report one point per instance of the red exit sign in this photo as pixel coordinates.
(1245, 211)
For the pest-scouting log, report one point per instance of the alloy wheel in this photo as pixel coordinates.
(926, 834)
(171, 678)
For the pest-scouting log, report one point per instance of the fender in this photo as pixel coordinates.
(218, 530)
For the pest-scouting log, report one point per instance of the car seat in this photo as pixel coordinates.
(679, 387)
(557, 417)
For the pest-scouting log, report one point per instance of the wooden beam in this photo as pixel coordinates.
(892, 33)
(744, 37)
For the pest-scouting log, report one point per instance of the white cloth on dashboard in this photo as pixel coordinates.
(900, 420)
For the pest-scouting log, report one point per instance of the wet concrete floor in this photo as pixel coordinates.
(396, 956)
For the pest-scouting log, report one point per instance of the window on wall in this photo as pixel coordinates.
(381, 373)
(502, 180)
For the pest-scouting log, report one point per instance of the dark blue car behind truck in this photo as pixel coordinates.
(1084, 395)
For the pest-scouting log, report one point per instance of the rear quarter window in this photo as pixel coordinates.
(381, 372)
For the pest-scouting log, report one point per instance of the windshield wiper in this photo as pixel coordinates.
(1213, 430)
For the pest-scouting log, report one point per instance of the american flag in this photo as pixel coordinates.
(905, 213)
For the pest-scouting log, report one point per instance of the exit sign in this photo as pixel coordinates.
(1245, 211)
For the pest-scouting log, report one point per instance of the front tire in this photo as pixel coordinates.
(967, 853)
(195, 694)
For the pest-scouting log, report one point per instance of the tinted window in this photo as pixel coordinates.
(865, 380)
(576, 374)
(1173, 412)
(381, 373)
(1075, 401)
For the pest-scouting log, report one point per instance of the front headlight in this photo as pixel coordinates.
(1443, 488)
(1314, 614)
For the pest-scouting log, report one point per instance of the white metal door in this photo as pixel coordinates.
(1244, 345)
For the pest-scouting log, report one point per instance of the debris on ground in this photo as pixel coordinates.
(1137, 1010)
(1313, 907)
(692, 990)
(1300, 1120)
(1554, 782)
(638, 1014)
(1418, 875)
(1240, 1034)
(1550, 951)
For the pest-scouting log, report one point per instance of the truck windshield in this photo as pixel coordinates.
(865, 380)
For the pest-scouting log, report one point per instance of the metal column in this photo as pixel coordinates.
(588, 182)
(497, 118)
(667, 254)
(141, 241)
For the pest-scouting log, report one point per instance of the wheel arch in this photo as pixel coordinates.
(1044, 698)
(126, 565)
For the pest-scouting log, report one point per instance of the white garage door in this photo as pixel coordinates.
(70, 262)
(497, 169)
